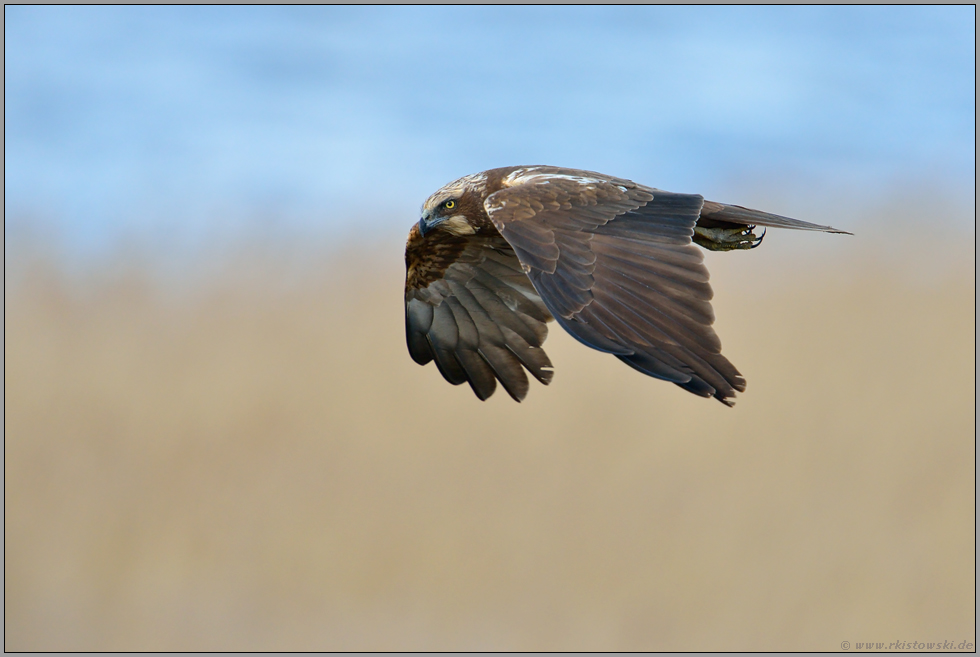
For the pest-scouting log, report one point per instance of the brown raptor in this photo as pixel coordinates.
(498, 254)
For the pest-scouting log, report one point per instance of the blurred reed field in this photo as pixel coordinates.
(249, 460)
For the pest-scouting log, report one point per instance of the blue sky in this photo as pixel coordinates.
(123, 120)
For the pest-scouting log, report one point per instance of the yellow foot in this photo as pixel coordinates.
(727, 239)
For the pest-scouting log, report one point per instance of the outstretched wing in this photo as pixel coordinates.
(614, 264)
(471, 308)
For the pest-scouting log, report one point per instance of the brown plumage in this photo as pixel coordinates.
(499, 254)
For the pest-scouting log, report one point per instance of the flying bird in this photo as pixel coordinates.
(497, 255)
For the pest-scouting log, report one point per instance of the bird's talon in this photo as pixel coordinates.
(726, 239)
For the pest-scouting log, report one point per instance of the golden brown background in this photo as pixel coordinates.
(244, 457)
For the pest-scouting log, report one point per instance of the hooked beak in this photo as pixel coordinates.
(425, 225)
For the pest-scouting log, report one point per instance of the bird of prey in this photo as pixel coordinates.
(497, 255)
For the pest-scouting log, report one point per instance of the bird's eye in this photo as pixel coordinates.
(449, 205)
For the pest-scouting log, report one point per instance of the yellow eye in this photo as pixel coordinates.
(449, 205)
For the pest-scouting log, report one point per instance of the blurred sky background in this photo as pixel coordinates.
(177, 126)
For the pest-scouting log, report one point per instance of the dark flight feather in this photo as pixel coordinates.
(478, 315)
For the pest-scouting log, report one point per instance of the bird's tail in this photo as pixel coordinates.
(716, 215)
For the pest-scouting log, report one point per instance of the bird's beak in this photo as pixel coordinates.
(425, 225)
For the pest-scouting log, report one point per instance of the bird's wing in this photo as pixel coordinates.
(614, 264)
(470, 307)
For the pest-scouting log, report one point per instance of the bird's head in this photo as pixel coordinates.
(456, 208)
